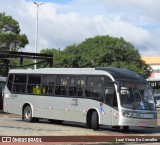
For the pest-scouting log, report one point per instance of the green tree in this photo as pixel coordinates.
(10, 37)
(57, 56)
(102, 51)
(70, 56)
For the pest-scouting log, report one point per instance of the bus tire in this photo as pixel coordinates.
(27, 115)
(125, 128)
(89, 120)
(94, 121)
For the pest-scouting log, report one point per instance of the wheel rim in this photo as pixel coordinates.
(28, 113)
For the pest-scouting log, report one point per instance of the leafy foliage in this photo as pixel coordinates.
(101, 51)
(10, 37)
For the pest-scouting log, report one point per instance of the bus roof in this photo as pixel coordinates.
(2, 79)
(116, 73)
(53, 71)
(119, 73)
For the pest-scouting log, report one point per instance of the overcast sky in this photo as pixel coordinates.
(67, 22)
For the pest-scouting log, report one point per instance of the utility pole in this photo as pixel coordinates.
(36, 36)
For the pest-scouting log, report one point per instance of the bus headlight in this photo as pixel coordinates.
(126, 113)
(132, 114)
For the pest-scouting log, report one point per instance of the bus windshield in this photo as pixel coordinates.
(136, 95)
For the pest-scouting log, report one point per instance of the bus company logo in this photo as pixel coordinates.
(21, 139)
(6, 139)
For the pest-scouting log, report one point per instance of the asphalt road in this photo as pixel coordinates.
(12, 125)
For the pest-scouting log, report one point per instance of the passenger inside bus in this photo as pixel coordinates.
(43, 90)
(36, 90)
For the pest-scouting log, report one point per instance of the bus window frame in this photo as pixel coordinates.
(85, 86)
(15, 84)
(33, 84)
(46, 86)
(61, 85)
(77, 86)
(94, 87)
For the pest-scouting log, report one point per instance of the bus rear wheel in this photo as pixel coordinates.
(27, 115)
(94, 121)
(27, 112)
(125, 128)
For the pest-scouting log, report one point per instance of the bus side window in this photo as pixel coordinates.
(48, 85)
(76, 86)
(72, 88)
(36, 90)
(94, 87)
(109, 97)
(34, 84)
(62, 86)
(19, 85)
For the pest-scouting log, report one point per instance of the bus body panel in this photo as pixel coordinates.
(2, 86)
(58, 108)
(17, 101)
(75, 108)
(13, 103)
(45, 107)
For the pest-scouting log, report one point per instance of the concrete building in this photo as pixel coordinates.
(154, 62)
(154, 79)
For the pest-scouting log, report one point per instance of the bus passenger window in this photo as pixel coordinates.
(62, 86)
(48, 85)
(76, 86)
(36, 90)
(109, 96)
(58, 90)
(44, 90)
(72, 91)
(34, 84)
(94, 87)
(80, 86)
(19, 85)
(50, 90)
(79, 91)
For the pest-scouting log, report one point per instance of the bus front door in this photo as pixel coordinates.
(109, 107)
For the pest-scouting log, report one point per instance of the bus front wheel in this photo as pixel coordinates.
(95, 125)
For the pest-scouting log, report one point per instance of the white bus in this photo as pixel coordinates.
(2, 85)
(94, 96)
